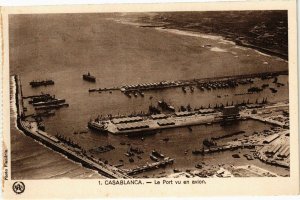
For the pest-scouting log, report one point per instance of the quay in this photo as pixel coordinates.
(248, 115)
(31, 129)
(146, 124)
(151, 166)
(216, 149)
(203, 83)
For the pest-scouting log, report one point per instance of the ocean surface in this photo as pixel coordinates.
(62, 47)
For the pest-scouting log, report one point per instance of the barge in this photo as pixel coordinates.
(41, 83)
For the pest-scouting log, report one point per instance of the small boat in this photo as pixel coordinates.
(235, 155)
(198, 166)
(157, 154)
(89, 77)
(153, 158)
(176, 170)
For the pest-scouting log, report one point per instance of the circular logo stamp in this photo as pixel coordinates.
(18, 187)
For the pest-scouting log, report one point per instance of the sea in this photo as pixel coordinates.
(63, 47)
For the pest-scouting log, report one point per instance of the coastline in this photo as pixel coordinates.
(192, 33)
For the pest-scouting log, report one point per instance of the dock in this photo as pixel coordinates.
(151, 166)
(147, 124)
(202, 84)
(30, 129)
(216, 149)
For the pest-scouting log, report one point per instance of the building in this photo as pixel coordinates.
(230, 113)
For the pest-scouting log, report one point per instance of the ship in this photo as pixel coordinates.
(40, 98)
(49, 102)
(41, 83)
(89, 77)
(97, 126)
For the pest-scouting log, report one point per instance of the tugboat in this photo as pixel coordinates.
(89, 77)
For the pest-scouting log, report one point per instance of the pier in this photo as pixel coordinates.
(31, 129)
(151, 166)
(146, 124)
(201, 84)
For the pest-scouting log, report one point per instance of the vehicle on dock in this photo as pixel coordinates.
(89, 77)
(41, 83)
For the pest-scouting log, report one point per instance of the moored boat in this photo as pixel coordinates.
(89, 77)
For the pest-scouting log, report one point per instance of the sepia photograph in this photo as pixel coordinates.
(163, 95)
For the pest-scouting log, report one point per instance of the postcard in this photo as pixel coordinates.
(150, 100)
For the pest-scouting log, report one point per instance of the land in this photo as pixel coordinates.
(266, 31)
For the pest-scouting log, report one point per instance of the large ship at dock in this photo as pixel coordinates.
(51, 102)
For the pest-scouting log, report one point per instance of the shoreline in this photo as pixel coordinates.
(193, 33)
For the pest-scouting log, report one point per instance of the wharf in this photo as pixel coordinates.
(247, 113)
(225, 148)
(149, 124)
(186, 83)
(151, 166)
(30, 129)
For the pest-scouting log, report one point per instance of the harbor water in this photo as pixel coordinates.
(65, 46)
